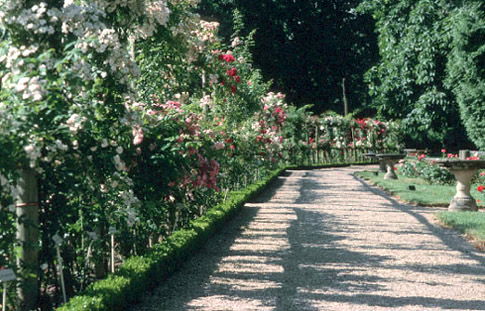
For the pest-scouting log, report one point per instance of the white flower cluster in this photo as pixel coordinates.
(33, 153)
(237, 41)
(157, 13)
(34, 19)
(205, 101)
(75, 122)
(274, 99)
(83, 27)
(31, 87)
(86, 21)
(202, 33)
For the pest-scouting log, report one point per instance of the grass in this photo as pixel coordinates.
(424, 195)
(472, 224)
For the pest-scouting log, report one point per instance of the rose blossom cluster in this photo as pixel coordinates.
(269, 124)
(93, 49)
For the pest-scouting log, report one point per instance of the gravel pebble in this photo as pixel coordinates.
(325, 240)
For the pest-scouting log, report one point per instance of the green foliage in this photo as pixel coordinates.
(408, 82)
(466, 68)
(434, 174)
(139, 273)
(306, 47)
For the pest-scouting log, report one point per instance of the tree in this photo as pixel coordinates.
(466, 68)
(307, 48)
(408, 82)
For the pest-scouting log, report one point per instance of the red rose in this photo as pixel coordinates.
(237, 79)
(231, 72)
(228, 58)
(480, 188)
(233, 88)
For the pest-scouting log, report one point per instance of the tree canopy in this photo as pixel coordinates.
(408, 82)
(306, 47)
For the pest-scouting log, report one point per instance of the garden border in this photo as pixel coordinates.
(138, 273)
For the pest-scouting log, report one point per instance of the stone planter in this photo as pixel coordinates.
(463, 171)
(390, 159)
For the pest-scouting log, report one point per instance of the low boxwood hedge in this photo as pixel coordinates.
(139, 273)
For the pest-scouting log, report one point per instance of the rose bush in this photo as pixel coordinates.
(134, 115)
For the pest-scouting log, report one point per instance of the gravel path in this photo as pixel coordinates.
(324, 240)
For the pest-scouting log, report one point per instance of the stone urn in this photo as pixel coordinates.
(463, 171)
(390, 159)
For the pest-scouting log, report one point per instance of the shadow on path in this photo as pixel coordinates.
(289, 252)
(316, 267)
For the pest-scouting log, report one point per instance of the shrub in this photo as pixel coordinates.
(419, 167)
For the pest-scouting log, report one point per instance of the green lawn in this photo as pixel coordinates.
(470, 223)
(425, 194)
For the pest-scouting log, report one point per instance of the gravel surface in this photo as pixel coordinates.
(324, 240)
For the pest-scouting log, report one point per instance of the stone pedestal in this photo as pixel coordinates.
(463, 201)
(390, 174)
(382, 163)
(389, 160)
(382, 166)
(463, 171)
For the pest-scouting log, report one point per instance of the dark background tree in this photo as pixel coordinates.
(408, 82)
(306, 47)
(416, 61)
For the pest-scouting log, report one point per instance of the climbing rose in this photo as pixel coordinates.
(138, 135)
(231, 72)
(228, 58)
(480, 188)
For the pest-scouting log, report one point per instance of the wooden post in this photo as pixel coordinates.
(27, 207)
(61, 273)
(58, 242)
(316, 141)
(112, 231)
(6, 275)
(4, 297)
(100, 264)
(346, 102)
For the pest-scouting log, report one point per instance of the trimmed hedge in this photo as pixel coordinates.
(138, 273)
